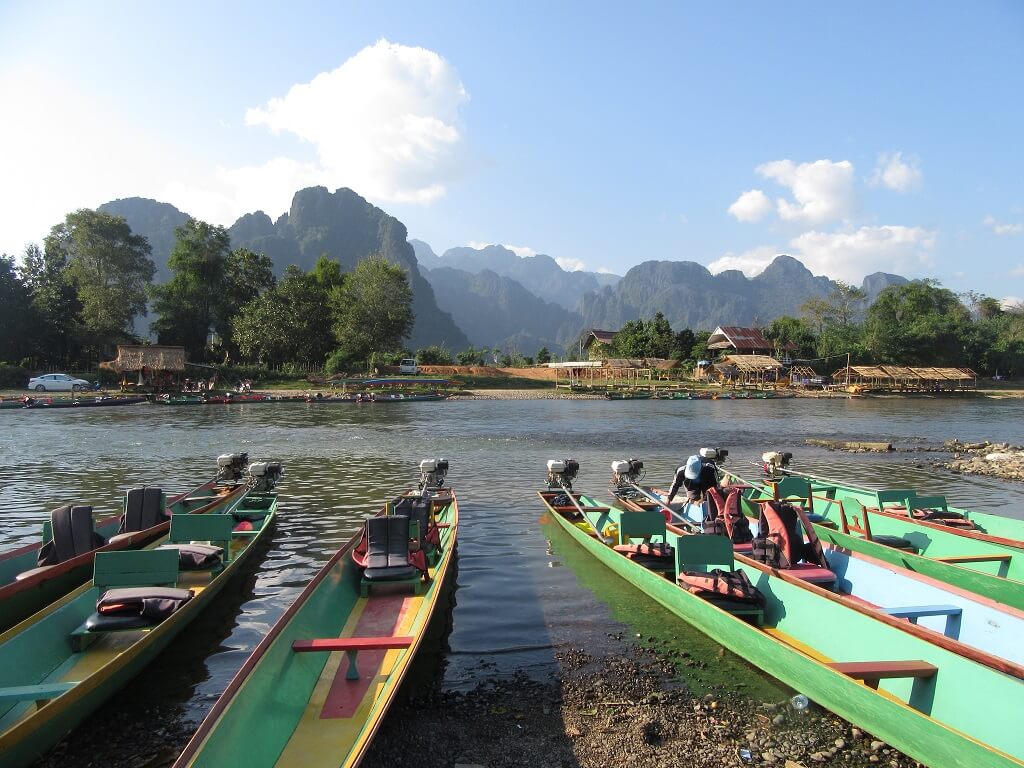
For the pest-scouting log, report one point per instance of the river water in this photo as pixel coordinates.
(523, 590)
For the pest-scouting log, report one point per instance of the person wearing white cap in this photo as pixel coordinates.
(696, 476)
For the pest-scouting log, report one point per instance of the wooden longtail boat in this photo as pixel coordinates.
(38, 587)
(869, 514)
(63, 662)
(971, 625)
(629, 395)
(313, 708)
(927, 701)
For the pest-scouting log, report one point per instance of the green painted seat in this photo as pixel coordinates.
(641, 525)
(795, 489)
(42, 692)
(217, 529)
(700, 553)
(894, 498)
(143, 568)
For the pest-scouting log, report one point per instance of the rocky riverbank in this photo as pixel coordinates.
(992, 459)
(616, 711)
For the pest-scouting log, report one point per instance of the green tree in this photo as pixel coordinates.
(110, 268)
(192, 303)
(247, 275)
(543, 355)
(661, 339)
(290, 323)
(917, 323)
(632, 340)
(433, 355)
(791, 335)
(55, 299)
(684, 343)
(18, 317)
(373, 308)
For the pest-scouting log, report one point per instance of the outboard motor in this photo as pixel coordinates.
(714, 455)
(775, 462)
(432, 474)
(625, 473)
(264, 475)
(561, 473)
(231, 467)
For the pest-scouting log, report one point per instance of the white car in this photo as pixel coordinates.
(408, 365)
(57, 382)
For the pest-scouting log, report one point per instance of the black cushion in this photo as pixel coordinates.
(143, 508)
(896, 542)
(100, 623)
(398, 540)
(377, 542)
(73, 535)
(393, 573)
(196, 557)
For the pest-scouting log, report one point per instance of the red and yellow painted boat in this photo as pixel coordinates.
(317, 687)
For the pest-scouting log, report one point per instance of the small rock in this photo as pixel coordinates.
(877, 745)
(857, 733)
(840, 743)
(769, 756)
(793, 764)
(777, 720)
(873, 759)
(818, 757)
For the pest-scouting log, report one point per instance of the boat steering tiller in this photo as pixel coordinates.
(561, 473)
(231, 467)
(432, 474)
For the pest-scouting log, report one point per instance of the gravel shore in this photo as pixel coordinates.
(615, 711)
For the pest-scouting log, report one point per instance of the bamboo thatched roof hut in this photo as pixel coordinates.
(747, 369)
(905, 378)
(136, 357)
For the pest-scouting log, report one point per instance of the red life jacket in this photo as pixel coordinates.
(734, 585)
(727, 512)
(780, 538)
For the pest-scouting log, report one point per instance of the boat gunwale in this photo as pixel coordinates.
(195, 744)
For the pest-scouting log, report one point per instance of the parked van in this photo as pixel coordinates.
(408, 365)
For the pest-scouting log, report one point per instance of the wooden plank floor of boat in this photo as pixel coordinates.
(338, 709)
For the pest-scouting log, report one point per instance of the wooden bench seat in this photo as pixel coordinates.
(43, 692)
(953, 614)
(351, 646)
(975, 558)
(873, 671)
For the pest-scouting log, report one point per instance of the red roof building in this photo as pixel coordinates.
(744, 340)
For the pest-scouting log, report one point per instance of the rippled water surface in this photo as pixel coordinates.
(522, 588)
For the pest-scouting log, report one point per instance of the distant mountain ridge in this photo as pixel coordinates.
(540, 274)
(497, 311)
(491, 296)
(690, 296)
(341, 225)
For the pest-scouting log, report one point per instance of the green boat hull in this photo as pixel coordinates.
(989, 699)
(44, 639)
(276, 685)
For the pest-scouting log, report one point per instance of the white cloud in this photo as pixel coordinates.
(849, 255)
(1002, 229)
(570, 265)
(752, 205)
(750, 263)
(386, 122)
(895, 173)
(1018, 271)
(822, 191)
(605, 271)
(522, 251)
(1011, 302)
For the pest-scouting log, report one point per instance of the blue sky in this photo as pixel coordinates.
(858, 137)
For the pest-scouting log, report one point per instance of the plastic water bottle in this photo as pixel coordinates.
(799, 702)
